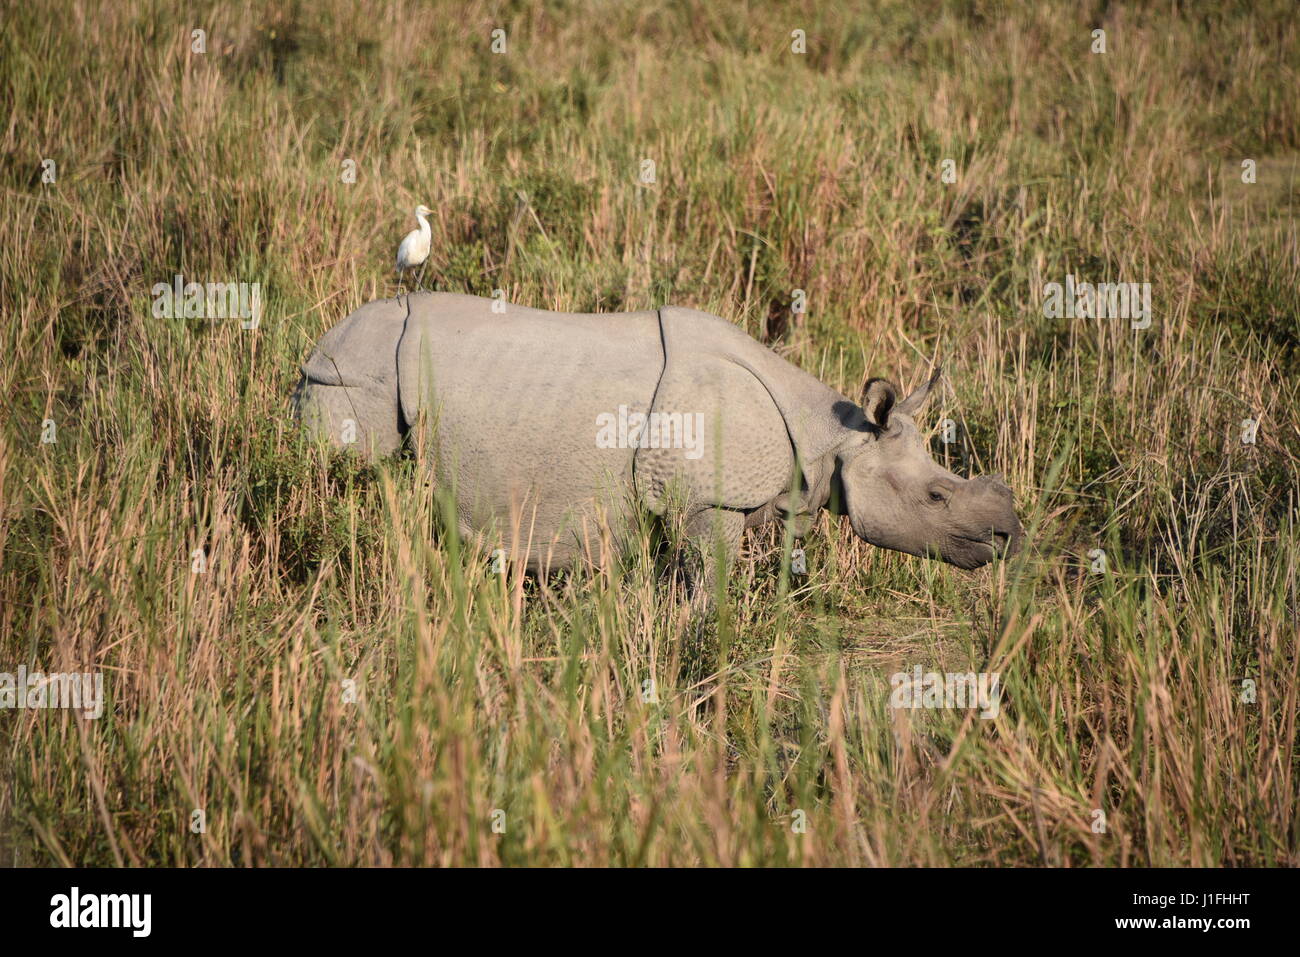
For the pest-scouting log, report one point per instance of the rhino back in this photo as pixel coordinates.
(512, 403)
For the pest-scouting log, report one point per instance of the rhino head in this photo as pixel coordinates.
(896, 496)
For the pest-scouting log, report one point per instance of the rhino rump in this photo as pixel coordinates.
(348, 392)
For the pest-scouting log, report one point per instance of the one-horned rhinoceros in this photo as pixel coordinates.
(550, 427)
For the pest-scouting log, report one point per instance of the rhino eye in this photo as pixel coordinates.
(939, 493)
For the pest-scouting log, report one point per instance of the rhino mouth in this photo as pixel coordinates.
(971, 552)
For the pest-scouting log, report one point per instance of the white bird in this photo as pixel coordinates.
(415, 247)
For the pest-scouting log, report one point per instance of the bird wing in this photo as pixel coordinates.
(404, 250)
(414, 249)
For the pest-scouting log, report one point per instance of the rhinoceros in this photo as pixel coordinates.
(554, 429)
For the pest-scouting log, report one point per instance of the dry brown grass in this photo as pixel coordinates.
(1122, 692)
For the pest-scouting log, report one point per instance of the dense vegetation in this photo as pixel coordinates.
(485, 700)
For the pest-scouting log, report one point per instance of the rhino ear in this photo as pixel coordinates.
(914, 402)
(878, 397)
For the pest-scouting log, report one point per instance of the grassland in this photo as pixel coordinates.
(768, 740)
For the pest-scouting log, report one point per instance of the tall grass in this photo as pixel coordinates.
(582, 720)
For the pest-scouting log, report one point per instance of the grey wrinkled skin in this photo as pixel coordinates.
(505, 406)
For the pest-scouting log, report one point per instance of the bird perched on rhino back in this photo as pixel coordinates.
(414, 250)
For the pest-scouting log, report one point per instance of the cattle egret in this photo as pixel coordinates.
(415, 247)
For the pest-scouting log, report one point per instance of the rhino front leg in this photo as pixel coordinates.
(713, 536)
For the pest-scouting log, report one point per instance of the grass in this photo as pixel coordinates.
(503, 720)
